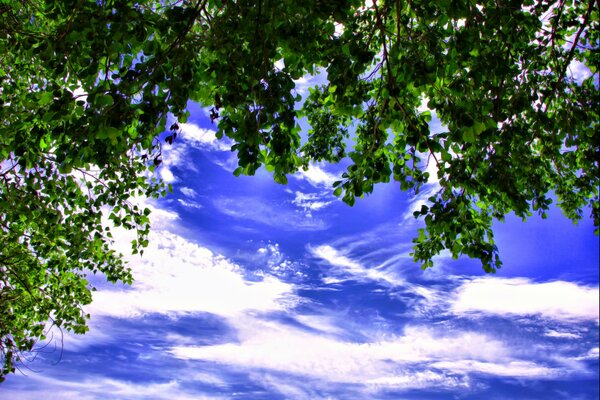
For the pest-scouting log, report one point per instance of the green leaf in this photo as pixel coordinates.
(46, 98)
(104, 100)
(108, 132)
(469, 135)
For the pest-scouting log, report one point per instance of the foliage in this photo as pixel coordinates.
(75, 141)
(86, 88)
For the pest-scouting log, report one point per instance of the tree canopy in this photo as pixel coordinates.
(87, 87)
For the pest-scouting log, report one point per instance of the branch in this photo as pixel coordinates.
(569, 58)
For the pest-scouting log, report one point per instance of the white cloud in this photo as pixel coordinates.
(289, 389)
(402, 361)
(302, 389)
(592, 354)
(579, 71)
(557, 300)
(192, 136)
(203, 138)
(208, 378)
(160, 219)
(176, 155)
(561, 335)
(420, 380)
(166, 175)
(270, 255)
(317, 176)
(177, 276)
(272, 261)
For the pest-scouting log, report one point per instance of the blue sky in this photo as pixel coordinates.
(254, 290)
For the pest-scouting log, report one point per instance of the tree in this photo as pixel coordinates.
(87, 86)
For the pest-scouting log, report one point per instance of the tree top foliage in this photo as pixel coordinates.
(86, 87)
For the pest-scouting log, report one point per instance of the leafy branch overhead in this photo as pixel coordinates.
(87, 88)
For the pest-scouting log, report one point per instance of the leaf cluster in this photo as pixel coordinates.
(521, 129)
(87, 87)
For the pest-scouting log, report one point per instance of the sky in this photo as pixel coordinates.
(254, 290)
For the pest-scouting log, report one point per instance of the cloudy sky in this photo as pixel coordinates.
(254, 290)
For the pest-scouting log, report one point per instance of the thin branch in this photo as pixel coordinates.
(569, 58)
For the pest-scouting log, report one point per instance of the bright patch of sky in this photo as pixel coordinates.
(256, 290)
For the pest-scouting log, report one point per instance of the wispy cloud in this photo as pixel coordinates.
(562, 335)
(419, 357)
(274, 215)
(513, 369)
(91, 387)
(188, 192)
(386, 245)
(321, 323)
(310, 202)
(347, 266)
(190, 204)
